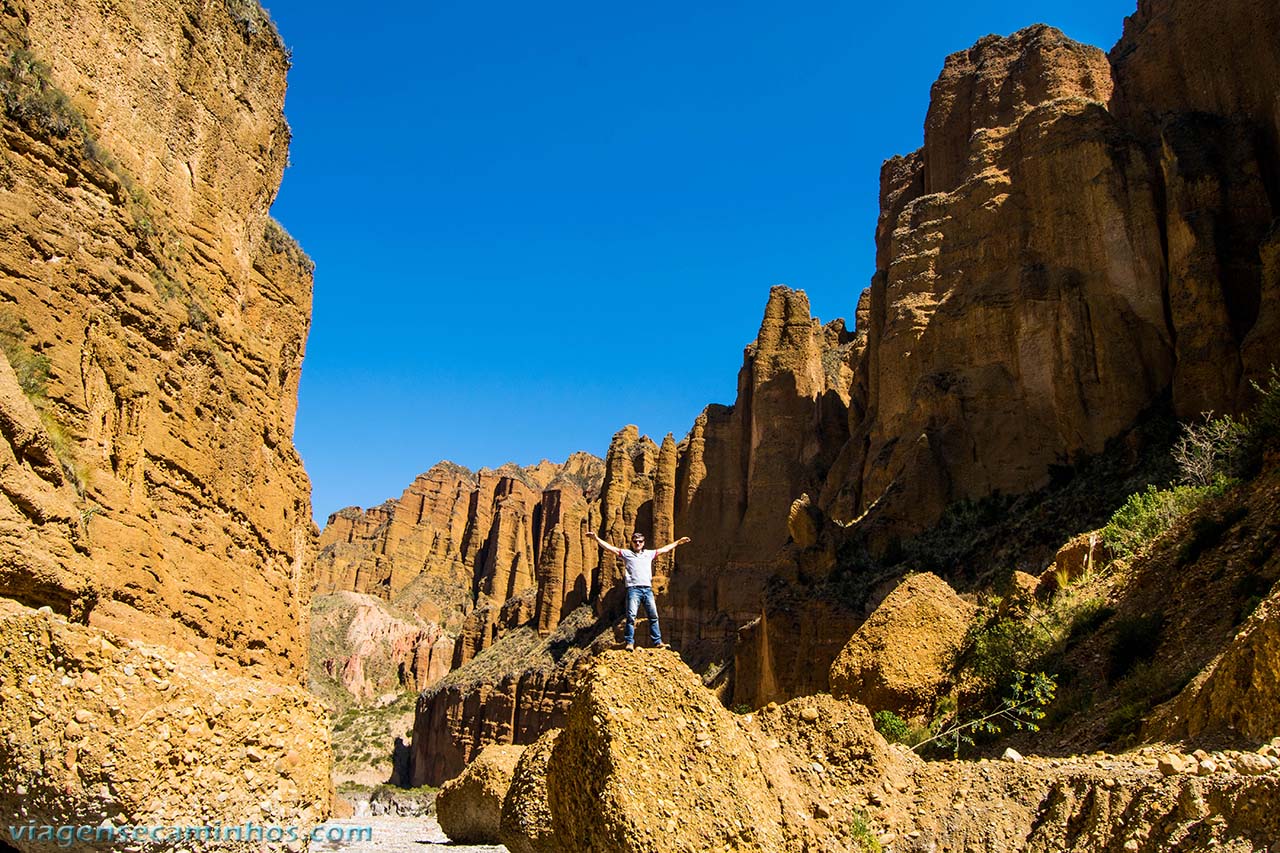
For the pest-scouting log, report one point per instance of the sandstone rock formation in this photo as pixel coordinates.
(740, 469)
(1237, 693)
(1211, 129)
(457, 539)
(517, 689)
(649, 760)
(902, 656)
(1081, 241)
(153, 319)
(103, 729)
(159, 317)
(664, 491)
(1104, 243)
(469, 807)
(1063, 288)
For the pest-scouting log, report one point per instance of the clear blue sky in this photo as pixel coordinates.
(536, 223)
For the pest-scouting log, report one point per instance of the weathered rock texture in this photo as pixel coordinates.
(649, 760)
(769, 444)
(517, 689)
(741, 468)
(1062, 252)
(526, 816)
(1196, 84)
(1083, 239)
(1016, 315)
(903, 655)
(98, 728)
(159, 316)
(152, 321)
(469, 807)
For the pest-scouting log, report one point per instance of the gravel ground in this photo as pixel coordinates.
(398, 835)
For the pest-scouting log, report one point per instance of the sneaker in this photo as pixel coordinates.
(662, 645)
(631, 647)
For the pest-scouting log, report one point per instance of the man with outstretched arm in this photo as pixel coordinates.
(639, 578)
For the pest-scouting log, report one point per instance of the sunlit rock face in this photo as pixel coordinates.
(159, 318)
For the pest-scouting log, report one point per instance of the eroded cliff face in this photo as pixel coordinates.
(152, 323)
(740, 468)
(729, 485)
(156, 318)
(1061, 253)
(458, 546)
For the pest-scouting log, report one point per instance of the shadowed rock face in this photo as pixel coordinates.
(1196, 85)
(159, 316)
(1062, 252)
(1017, 315)
(740, 468)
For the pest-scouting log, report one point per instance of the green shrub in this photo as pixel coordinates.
(1146, 515)
(889, 724)
(1029, 694)
(30, 97)
(1002, 646)
(863, 836)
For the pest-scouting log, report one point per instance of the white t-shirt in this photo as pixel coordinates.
(639, 571)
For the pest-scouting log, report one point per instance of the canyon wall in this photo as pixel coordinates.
(155, 318)
(155, 521)
(1079, 236)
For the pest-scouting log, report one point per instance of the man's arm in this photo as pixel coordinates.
(603, 544)
(676, 544)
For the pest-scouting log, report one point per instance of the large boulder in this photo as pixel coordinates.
(902, 655)
(650, 761)
(526, 814)
(469, 807)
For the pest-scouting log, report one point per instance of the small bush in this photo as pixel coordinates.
(1146, 515)
(1002, 646)
(897, 730)
(1023, 707)
(1208, 451)
(889, 724)
(863, 836)
(30, 97)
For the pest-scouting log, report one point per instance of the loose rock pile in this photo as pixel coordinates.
(101, 730)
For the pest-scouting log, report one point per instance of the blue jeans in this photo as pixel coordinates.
(635, 595)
